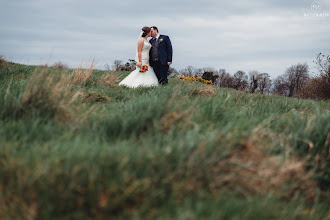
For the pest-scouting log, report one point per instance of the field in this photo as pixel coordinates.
(75, 145)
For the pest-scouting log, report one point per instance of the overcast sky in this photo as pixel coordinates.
(268, 36)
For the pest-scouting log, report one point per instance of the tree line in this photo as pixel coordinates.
(294, 82)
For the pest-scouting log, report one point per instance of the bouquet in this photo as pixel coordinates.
(144, 68)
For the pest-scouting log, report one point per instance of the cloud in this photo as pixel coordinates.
(268, 36)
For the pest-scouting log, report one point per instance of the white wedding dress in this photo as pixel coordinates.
(137, 78)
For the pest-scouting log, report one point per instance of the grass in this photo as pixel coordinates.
(75, 145)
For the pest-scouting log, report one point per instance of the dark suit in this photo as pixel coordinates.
(165, 54)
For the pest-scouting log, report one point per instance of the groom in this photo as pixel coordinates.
(160, 55)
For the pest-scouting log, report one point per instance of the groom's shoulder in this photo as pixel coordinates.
(164, 36)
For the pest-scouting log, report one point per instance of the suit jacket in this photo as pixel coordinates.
(165, 51)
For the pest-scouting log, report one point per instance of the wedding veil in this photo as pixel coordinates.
(140, 35)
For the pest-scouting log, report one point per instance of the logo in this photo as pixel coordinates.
(316, 11)
(316, 6)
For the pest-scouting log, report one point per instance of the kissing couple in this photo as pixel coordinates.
(153, 59)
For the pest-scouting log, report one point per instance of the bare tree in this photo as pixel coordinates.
(254, 80)
(190, 70)
(172, 72)
(296, 76)
(291, 82)
(117, 65)
(264, 83)
(281, 86)
(240, 80)
(323, 65)
(319, 86)
(107, 67)
(225, 79)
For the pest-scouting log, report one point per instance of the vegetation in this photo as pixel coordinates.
(295, 82)
(3, 62)
(75, 145)
(319, 86)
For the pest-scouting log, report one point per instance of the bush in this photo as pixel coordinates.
(315, 88)
(3, 62)
(318, 87)
(60, 65)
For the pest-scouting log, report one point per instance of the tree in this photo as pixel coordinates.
(323, 65)
(210, 76)
(189, 71)
(117, 64)
(254, 80)
(264, 83)
(319, 86)
(292, 81)
(280, 86)
(225, 79)
(107, 67)
(296, 76)
(240, 80)
(172, 72)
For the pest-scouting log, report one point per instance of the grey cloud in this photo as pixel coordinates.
(265, 35)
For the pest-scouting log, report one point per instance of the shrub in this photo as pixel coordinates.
(60, 65)
(318, 87)
(3, 62)
(315, 88)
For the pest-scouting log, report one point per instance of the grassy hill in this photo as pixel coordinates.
(75, 145)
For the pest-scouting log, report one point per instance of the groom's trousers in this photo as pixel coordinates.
(161, 72)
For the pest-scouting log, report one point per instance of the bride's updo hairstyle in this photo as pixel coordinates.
(145, 30)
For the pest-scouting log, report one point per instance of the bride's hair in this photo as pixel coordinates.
(145, 30)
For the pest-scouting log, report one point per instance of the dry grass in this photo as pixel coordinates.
(49, 94)
(207, 91)
(54, 94)
(203, 91)
(109, 79)
(82, 76)
(3, 62)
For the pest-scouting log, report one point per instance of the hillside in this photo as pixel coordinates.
(75, 145)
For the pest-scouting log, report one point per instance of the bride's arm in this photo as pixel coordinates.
(139, 49)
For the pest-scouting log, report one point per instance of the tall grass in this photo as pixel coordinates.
(74, 144)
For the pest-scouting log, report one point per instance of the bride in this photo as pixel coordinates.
(138, 78)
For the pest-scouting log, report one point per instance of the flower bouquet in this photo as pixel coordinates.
(144, 68)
